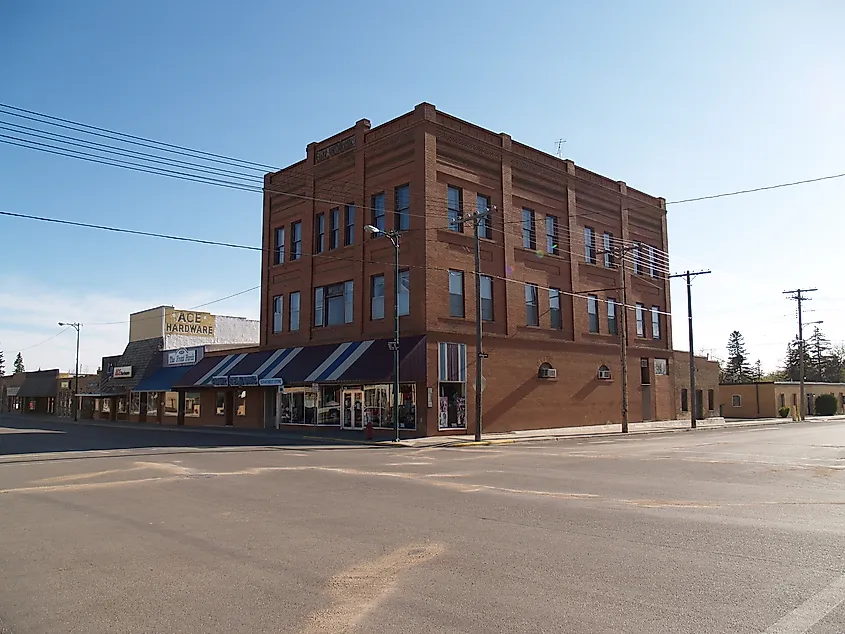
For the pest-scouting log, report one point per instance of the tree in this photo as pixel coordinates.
(2, 364)
(737, 368)
(837, 363)
(19, 366)
(818, 349)
(758, 370)
(792, 362)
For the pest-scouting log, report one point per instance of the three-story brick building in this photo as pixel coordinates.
(550, 286)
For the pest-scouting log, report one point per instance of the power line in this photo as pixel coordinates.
(61, 332)
(756, 189)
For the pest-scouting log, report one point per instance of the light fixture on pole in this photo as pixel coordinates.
(76, 376)
(393, 236)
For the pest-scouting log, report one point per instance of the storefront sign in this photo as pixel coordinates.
(182, 356)
(220, 381)
(243, 380)
(122, 372)
(271, 382)
(188, 322)
(12, 391)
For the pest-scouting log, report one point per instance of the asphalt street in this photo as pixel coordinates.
(125, 530)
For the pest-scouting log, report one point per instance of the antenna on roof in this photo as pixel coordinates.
(559, 145)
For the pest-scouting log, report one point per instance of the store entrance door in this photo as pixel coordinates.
(353, 409)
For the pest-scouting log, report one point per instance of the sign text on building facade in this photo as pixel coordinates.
(188, 322)
(122, 372)
(182, 356)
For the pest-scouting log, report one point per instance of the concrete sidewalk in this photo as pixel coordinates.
(590, 431)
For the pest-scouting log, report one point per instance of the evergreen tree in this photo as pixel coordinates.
(758, 370)
(737, 369)
(2, 364)
(792, 362)
(19, 366)
(818, 349)
(836, 368)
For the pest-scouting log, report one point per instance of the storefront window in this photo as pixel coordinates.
(121, 405)
(298, 406)
(240, 403)
(377, 404)
(134, 403)
(452, 406)
(221, 403)
(171, 403)
(152, 404)
(328, 412)
(106, 405)
(97, 405)
(192, 404)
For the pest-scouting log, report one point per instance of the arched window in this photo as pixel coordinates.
(546, 371)
(604, 373)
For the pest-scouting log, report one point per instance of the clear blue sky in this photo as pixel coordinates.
(678, 99)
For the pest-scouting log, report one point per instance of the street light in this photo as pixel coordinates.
(393, 236)
(76, 377)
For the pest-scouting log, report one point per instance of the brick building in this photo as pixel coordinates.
(707, 398)
(763, 399)
(550, 297)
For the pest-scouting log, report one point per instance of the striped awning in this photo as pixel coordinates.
(352, 361)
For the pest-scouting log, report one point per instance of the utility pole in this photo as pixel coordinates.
(480, 355)
(74, 403)
(798, 296)
(692, 398)
(620, 252)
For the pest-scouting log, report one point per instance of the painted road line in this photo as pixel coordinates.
(813, 610)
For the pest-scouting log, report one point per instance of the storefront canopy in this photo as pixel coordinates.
(162, 380)
(368, 361)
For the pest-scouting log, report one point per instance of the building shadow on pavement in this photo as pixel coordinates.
(24, 434)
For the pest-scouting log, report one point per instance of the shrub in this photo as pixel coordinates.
(826, 405)
(784, 411)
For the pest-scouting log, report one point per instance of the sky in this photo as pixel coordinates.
(678, 99)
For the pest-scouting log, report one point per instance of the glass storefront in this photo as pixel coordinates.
(152, 404)
(171, 403)
(451, 406)
(192, 404)
(135, 403)
(304, 406)
(240, 403)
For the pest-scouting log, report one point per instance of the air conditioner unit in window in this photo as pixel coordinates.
(548, 373)
(604, 374)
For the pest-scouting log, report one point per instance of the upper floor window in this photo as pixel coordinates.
(334, 228)
(607, 246)
(638, 265)
(349, 231)
(652, 261)
(486, 298)
(661, 367)
(529, 229)
(402, 205)
(655, 322)
(612, 320)
(456, 293)
(552, 235)
(377, 297)
(319, 232)
(593, 312)
(454, 207)
(293, 309)
(532, 308)
(278, 311)
(404, 297)
(555, 314)
(590, 245)
(377, 204)
(279, 249)
(296, 240)
(641, 320)
(333, 304)
(485, 223)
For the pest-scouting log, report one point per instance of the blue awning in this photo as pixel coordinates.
(162, 380)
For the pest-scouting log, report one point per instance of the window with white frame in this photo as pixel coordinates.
(590, 245)
(552, 226)
(377, 297)
(661, 367)
(529, 229)
(404, 298)
(485, 223)
(655, 322)
(652, 261)
(349, 230)
(279, 251)
(402, 206)
(454, 208)
(612, 320)
(641, 320)
(593, 312)
(486, 298)
(294, 308)
(296, 240)
(607, 247)
(555, 314)
(532, 309)
(333, 304)
(319, 233)
(456, 293)
(278, 311)
(334, 228)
